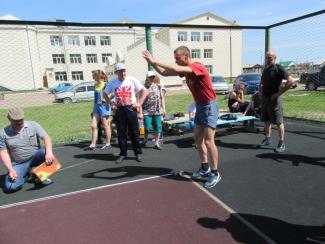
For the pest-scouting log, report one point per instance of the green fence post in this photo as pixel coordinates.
(267, 41)
(149, 43)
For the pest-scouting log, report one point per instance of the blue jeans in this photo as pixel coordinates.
(22, 170)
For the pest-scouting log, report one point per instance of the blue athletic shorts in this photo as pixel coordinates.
(207, 114)
(102, 110)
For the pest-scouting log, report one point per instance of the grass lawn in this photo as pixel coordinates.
(71, 122)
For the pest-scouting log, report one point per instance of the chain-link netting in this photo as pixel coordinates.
(48, 70)
(300, 49)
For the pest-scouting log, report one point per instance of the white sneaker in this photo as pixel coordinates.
(106, 146)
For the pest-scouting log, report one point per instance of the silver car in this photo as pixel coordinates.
(81, 92)
(220, 85)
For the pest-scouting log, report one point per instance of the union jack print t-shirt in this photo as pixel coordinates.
(124, 91)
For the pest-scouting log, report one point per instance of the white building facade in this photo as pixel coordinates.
(34, 57)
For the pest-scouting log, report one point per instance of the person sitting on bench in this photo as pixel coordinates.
(236, 102)
(254, 107)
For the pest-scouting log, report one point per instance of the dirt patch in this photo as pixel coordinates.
(23, 100)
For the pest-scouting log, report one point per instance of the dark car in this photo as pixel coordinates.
(313, 80)
(251, 81)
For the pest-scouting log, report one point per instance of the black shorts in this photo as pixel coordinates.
(272, 111)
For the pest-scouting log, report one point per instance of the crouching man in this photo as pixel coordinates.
(20, 151)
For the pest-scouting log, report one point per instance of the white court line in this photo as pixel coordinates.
(236, 215)
(78, 192)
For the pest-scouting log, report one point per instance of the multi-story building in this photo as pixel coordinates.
(34, 57)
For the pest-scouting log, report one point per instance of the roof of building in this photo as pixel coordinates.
(126, 21)
(210, 15)
(8, 17)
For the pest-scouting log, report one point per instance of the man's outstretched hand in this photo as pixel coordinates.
(148, 56)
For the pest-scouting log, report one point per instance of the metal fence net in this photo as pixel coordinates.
(39, 61)
(42, 61)
(300, 49)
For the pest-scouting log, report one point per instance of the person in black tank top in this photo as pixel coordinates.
(236, 103)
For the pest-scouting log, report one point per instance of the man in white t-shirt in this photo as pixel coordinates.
(126, 94)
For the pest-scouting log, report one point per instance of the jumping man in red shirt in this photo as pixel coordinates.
(199, 82)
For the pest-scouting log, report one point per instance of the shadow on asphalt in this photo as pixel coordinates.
(126, 172)
(277, 230)
(295, 159)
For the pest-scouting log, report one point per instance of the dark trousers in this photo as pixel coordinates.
(126, 120)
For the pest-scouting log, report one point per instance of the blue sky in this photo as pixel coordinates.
(249, 12)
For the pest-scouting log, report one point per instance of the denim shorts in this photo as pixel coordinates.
(207, 114)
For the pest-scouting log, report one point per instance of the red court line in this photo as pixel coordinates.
(160, 210)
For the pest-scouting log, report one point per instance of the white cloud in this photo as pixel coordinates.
(268, 13)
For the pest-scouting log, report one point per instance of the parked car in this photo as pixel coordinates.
(313, 80)
(81, 92)
(219, 84)
(61, 87)
(251, 81)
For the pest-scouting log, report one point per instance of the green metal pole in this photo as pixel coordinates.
(149, 43)
(267, 41)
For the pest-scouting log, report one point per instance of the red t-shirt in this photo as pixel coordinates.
(200, 84)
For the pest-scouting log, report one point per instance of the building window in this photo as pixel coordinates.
(91, 58)
(208, 53)
(182, 36)
(56, 40)
(195, 36)
(196, 53)
(105, 57)
(61, 76)
(207, 36)
(90, 41)
(77, 75)
(105, 40)
(75, 58)
(73, 40)
(58, 58)
(209, 68)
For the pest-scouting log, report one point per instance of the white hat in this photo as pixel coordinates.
(119, 66)
(151, 73)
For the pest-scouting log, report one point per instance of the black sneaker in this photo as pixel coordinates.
(280, 148)
(138, 158)
(266, 142)
(120, 159)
